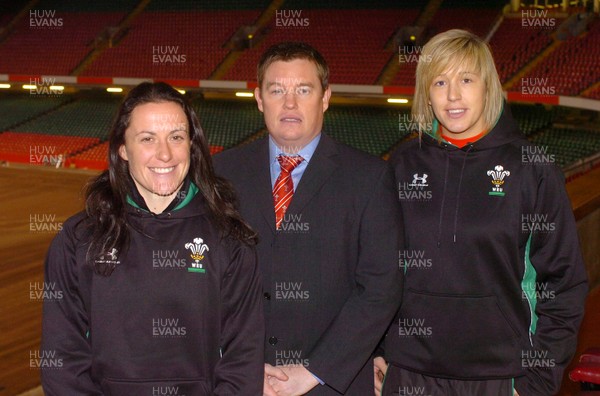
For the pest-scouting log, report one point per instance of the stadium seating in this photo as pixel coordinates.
(227, 123)
(184, 45)
(54, 50)
(358, 61)
(514, 46)
(372, 129)
(89, 117)
(86, 6)
(572, 67)
(475, 20)
(532, 118)
(18, 108)
(40, 149)
(594, 94)
(192, 5)
(568, 145)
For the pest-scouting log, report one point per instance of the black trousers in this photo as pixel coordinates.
(401, 382)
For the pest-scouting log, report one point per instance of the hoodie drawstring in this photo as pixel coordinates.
(462, 170)
(443, 200)
(470, 147)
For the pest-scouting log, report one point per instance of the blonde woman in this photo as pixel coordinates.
(494, 279)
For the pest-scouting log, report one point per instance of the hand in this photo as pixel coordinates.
(272, 372)
(299, 381)
(379, 370)
(515, 393)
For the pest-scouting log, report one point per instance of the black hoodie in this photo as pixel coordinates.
(495, 283)
(181, 314)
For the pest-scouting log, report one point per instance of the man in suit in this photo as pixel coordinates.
(328, 219)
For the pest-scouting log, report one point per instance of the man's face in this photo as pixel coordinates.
(293, 102)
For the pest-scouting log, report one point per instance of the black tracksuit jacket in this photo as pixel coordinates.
(164, 322)
(494, 279)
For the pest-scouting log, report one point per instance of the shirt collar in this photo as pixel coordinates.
(306, 152)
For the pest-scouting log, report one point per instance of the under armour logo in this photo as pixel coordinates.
(112, 254)
(419, 181)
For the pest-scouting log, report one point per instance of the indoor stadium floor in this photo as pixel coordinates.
(29, 194)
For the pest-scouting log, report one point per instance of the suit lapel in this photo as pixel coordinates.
(319, 170)
(260, 181)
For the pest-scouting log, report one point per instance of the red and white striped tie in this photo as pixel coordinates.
(283, 191)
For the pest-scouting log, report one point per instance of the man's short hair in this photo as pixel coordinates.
(288, 51)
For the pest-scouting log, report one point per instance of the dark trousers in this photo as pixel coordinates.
(401, 382)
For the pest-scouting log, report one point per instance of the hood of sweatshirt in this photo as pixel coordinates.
(504, 131)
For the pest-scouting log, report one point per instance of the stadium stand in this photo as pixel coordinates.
(476, 20)
(571, 68)
(187, 5)
(36, 48)
(19, 108)
(514, 46)
(531, 119)
(594, 94)
(358, 61)
(87, 117)
(86, 6)
(39, 148)
(227, 123)
(568, 145)
(372, 129)
(172, 44)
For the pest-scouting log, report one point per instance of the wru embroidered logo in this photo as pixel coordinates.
(498, 175)
(198, 248)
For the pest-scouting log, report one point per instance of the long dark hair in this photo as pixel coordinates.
(106, 194)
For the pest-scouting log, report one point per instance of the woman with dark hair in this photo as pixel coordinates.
(161, 291)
